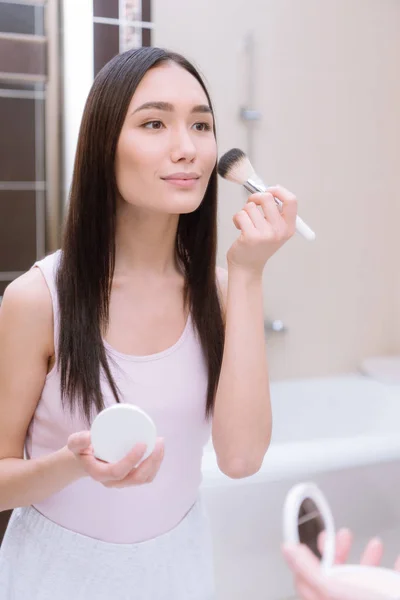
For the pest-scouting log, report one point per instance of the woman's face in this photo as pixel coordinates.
(167, 149)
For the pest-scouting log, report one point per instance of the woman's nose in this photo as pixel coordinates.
(183, 147)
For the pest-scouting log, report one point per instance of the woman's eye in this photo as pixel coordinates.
(153, 125)
(202, 127)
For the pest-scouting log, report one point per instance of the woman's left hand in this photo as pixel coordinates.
(311, 582)
(262, 234)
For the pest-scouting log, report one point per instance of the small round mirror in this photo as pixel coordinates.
(306, 517)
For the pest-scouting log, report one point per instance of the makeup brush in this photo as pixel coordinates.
(235, 166)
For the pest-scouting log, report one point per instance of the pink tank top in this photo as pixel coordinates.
(171, 387)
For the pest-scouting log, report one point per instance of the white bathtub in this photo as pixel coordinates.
(344, 434)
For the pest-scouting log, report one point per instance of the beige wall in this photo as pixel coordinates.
(329, 89)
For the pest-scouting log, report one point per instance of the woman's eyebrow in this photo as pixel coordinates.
(200, 108)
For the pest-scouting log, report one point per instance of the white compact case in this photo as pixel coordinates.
(118, 428)
(371, 579)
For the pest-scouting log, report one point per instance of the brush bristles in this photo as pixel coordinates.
(235, 166)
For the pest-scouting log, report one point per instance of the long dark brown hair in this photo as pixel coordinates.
(86, 268)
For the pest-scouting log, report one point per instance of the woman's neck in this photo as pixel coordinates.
(145, 241)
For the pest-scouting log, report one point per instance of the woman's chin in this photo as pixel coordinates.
(182, 205)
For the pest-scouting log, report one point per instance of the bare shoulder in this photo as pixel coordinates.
(222, 282)
(27, 304)
(26, 344)
(29, 291)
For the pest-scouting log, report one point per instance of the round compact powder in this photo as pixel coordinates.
(117, 429)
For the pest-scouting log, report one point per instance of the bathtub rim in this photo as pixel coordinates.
(288, 461)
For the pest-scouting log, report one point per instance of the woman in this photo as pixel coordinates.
(132, 309)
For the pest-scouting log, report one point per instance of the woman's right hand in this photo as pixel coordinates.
(124, 473)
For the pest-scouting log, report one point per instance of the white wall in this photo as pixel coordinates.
(329, 89)
(77, 71)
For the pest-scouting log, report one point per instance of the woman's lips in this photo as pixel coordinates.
(182, 181)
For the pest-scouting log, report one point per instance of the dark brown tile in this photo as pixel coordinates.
(17, 18)
(106, 44)
(146, 37)
(21, 56)
(106, 8)
(17, 139)
(146, 11)
(17, 230)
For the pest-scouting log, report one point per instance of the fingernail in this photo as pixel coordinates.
(376, 540)
(141, 448)
(344, 531)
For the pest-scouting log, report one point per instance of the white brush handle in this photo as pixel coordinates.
(256, 185)
(304, 229)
